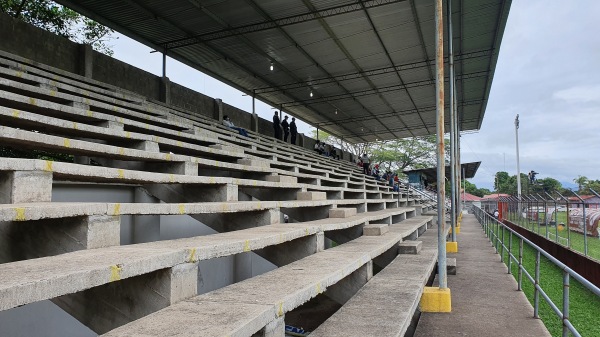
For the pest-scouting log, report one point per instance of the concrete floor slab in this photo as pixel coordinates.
(484, 297)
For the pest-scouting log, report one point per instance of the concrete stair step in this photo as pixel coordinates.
(262, 301)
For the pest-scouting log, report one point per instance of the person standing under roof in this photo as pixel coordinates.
(293, 131)
(276, 127)
(286, 128)
(365, 161)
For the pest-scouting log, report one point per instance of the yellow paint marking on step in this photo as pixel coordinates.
(67, 142)
(121, 173)
(115, 273)
(90, 113)
(19, 74)
(32, 101)
(53, 93)
(121, 151)
(171, 177)
(117, 209)
(75, 125)
(48, 166)
(318, 288)
(179, 143)
(15, 113)
(20, 214)
(192, 257)
(168, 156)
(127, 134)
(246, 246)
(181, 209)
(280, 310)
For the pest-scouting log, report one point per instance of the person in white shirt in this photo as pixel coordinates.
(365, 161)
(228, 123)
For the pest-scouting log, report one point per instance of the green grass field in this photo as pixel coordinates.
(584, 305)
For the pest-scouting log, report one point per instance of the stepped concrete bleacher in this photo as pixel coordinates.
(71, 250)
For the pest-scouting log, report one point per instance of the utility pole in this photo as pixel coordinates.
(518, 167)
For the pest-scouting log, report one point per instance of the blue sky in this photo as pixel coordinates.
(547, 73)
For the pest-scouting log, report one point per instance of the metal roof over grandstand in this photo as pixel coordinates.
(470, 169)
(360, 70)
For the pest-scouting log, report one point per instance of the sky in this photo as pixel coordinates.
(548, 72)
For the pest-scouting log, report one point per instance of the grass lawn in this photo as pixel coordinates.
(577, 239)
(584, 305)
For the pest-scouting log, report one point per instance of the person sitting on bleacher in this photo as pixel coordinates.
(228, 123)
(318, 147)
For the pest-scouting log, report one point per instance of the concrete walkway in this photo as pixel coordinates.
(485, 301)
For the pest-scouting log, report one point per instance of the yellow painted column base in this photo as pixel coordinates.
(457, 230)
(435, 300)
(451, 247)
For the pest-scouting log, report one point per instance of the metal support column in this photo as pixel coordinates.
(451, 82)
(441, 183)
(164, 64)
(253, 101)
(518, 166)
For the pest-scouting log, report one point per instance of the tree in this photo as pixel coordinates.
(581, 182)
(60, 20)
(355, 149)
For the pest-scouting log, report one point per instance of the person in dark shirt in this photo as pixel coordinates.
(286, 128)
(276, 127)
(293, 131)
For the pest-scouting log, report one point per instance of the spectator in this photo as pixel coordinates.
(318, 147)
(228, 123)
(532, 176)
(365, 161)
(496, 214)
(286, 128)
(276, 127)
(293, 131)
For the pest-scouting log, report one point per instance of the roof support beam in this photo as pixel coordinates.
(380, 90)
(339, 44)
(371, 73)
(199, 4)
(277, 23)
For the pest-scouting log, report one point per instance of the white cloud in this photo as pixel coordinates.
(579, 94)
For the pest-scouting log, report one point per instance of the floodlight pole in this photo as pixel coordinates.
(518, 166)
(441, 165)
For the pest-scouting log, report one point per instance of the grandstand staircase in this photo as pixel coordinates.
(343, 227)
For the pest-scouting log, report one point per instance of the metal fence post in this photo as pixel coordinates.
(520, 273)
(585, 246)
(502, 244)
(536, 292)
(565, 311)
(509, 252)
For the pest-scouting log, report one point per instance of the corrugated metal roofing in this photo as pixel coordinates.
(372, 61)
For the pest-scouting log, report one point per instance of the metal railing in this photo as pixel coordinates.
(545, 215)
(491, 227)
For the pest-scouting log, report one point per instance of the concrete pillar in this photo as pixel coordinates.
(294, 250)
(343, 290)
(218, 112)
(300, 137)
(254, 122)
(117, 303)
(33, 239)
(165, 90)
(86, 60)
(25, 186)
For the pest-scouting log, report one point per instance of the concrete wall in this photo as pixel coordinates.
(41, 46)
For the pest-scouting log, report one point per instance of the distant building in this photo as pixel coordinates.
(591, 201)
(470, 200)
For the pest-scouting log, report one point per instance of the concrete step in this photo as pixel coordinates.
(57, 210)
(375, 229)
(312, 196)
(34, 280)
(261, 302)
(390, 298)
(342, 212)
